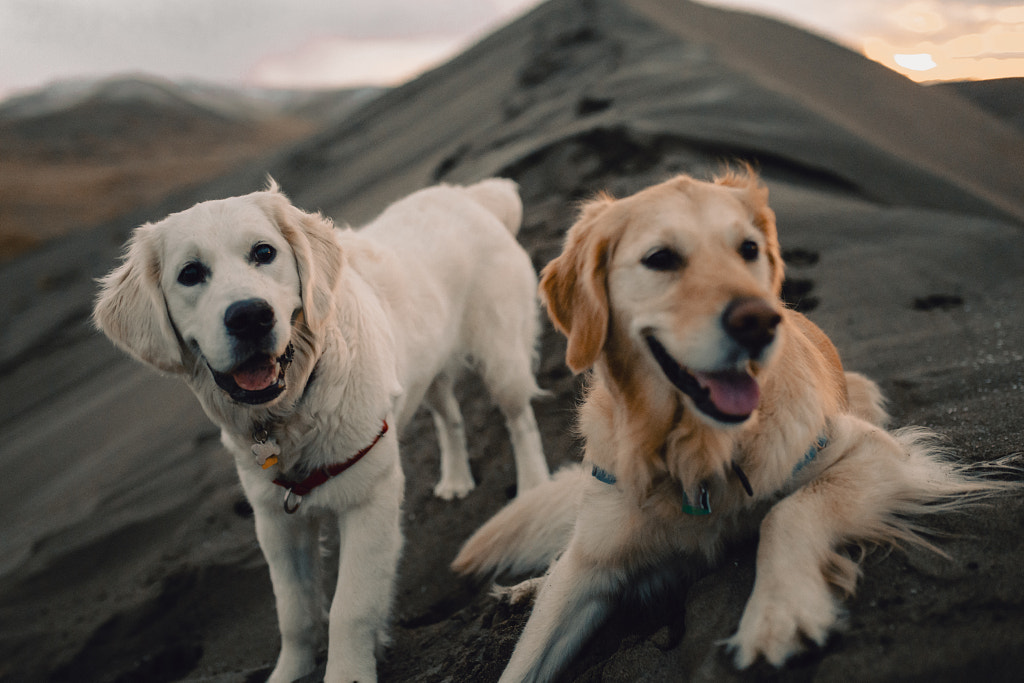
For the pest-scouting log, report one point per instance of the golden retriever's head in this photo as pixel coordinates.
(684, 276)
(227, 287)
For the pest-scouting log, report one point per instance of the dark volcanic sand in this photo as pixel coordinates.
(128, 549)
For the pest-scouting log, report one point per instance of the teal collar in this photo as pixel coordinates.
(703, 506)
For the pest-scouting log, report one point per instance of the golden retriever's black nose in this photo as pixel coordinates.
(249, 319)
(751, 322)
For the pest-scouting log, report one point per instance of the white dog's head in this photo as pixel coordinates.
(685, 275)
(230, 287)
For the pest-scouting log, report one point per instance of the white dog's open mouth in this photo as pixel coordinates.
(259, 379)
(729, 396)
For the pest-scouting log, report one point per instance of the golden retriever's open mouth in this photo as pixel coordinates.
(259, 379)
(729, 396)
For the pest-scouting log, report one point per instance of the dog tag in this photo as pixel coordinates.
(703, 506)
(266, 452)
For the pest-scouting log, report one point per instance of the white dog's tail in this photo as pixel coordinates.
(500, 196)
(528, 533)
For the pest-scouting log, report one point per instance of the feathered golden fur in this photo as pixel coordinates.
(703, 386)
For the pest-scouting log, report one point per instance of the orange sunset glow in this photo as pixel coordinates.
(925, 40)
(961, 42)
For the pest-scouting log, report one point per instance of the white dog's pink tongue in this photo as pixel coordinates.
(256, 375)
(733, 393)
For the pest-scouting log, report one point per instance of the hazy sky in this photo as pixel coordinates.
(332, 43)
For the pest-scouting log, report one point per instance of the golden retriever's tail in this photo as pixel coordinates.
(500, 196)
(528, 533)
(918, 478)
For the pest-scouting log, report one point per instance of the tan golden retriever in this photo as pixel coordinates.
(712, 411)
(304, 342)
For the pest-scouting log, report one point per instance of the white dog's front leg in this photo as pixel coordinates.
(290, 544)
(571, 604)
(371, 542)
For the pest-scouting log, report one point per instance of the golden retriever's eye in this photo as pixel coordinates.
(662, 259)
(263, 253)
(192, 274)
(749, 250)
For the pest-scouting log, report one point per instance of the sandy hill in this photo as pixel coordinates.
(128, 551)
(1001, 97)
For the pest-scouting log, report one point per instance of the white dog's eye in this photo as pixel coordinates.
(192, 274)
(749, 250)
(262, 253)
(662, 259)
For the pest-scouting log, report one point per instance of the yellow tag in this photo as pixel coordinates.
(270, 461)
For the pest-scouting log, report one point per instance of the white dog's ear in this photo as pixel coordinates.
(317, 255)
(574, 286)
(130, 308)
(754, 195)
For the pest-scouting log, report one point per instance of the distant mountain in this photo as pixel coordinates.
(234, 103)
(116, 144)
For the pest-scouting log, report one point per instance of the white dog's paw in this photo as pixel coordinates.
(776, 626)
(292, 667)
(449, 489)
(524, 590)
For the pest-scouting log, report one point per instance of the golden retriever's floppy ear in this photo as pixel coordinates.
(574, 288)
(755, 195)
(317, 256)
(130, 308)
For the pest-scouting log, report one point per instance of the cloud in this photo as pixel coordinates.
(962, 39)
(344, 62)
(223, 40)
(955, 40)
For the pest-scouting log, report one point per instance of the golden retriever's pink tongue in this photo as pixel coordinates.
(734, 393)
(256, 375)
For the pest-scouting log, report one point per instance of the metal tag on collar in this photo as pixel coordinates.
(703, 506)
(288, 507)
(265, 450)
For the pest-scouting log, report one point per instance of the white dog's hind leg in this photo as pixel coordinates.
(512, 386)
(570, 606)
(291, 546)
(531, 467)
(371, 542)
(456, 478)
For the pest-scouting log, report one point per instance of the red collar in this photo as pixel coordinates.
(322, 475)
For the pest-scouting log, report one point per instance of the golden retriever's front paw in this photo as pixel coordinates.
(777, 629)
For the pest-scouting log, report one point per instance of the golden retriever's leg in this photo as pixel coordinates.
(291, 547)
(371, 541)
(571, 604)
(456, 478)
(791, 596)
(872, 490)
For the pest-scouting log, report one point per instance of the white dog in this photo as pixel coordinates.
(308, 345)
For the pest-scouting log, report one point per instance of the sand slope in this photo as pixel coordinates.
(128, 551)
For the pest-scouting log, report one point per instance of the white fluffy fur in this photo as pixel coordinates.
(604, 540)
(381, 318)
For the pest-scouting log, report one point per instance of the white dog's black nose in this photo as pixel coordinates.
(751, 322)
(249, 319)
